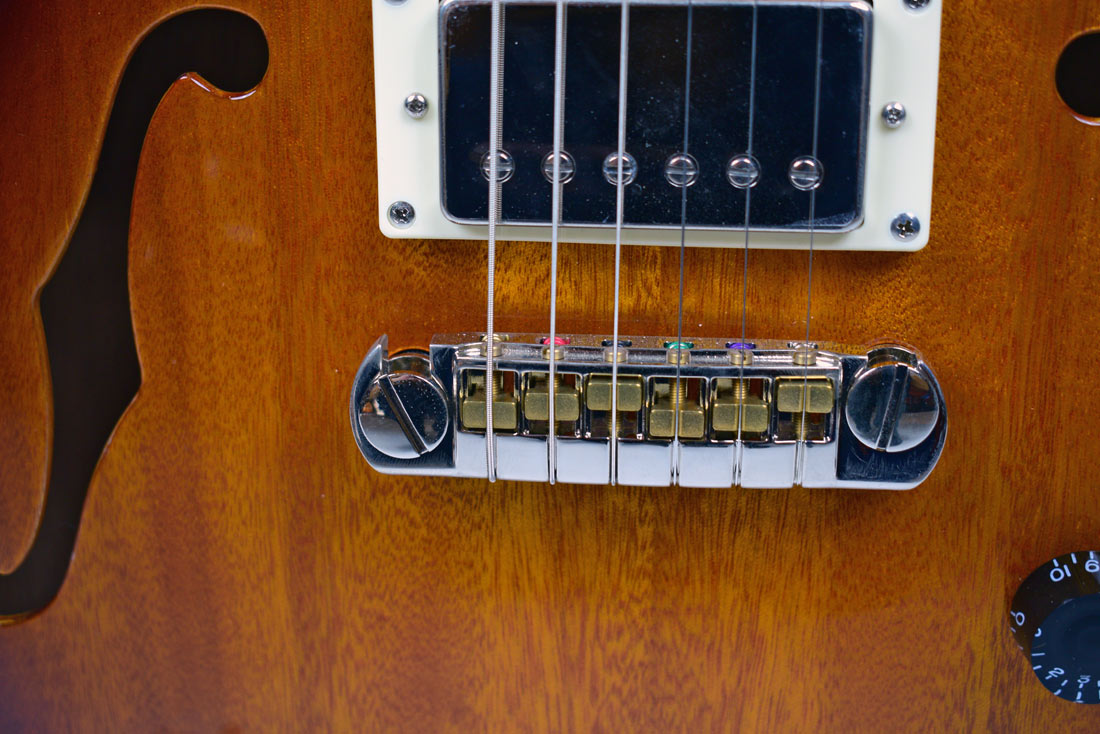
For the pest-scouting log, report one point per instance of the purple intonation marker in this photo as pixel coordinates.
(743, 346)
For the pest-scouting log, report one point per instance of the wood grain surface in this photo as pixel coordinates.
(240, 568)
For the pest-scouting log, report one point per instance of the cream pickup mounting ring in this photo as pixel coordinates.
(755, 415)
(869, 165)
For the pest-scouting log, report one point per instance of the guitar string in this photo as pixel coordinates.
(624, 38)
(800, 442)
(496, 83)
(677, 392)
(555, 218)
(742, 392)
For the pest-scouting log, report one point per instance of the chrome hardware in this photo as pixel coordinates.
(905, 227)
(917, 4)
(506, 166)
(401, 214)
(870, 422)
(681, 170)
(894, 114)
(806, 173)
(405, 411)
(610, 168)
(893, 404)
(567, 167)
(416, 104)
(743, 171)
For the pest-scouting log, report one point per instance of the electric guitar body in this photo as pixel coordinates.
(236, 565)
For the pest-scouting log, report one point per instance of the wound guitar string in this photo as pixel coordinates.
(555, 219)
(496, 84)
(624, 38)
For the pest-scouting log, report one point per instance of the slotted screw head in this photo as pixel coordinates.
(404, 415)
(891, 404)
(917, 4)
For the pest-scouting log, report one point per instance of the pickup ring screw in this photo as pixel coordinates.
(905, 227)
(893, 114)
(401, 214)
(416, 104)
(917, 4)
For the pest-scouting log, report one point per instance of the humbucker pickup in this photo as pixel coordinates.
(697, 413)
(820, 112)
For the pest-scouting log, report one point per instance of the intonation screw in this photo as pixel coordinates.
(893, 114)
(401, 214)
(740, 389)
(917, 4)
(416, 104)
(905, 226)
(679, 352)
(805, 353)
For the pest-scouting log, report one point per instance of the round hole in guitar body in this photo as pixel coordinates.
(1077, 77)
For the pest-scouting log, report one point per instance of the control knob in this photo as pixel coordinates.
(1055, 618)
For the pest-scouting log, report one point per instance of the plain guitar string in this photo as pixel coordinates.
(742, 392)
(495, 125)
(496, 84)
(555, 218)
(677, 392)
(800, 442)
(624, 48)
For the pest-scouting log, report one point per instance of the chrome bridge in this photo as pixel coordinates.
(699, 413)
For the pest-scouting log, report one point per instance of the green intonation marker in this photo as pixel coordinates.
(679, 345)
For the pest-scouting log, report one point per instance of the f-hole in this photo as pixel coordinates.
(86, 302)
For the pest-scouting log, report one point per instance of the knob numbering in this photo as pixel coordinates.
(1055, 617)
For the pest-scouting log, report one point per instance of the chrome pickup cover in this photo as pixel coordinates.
(763, 415)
